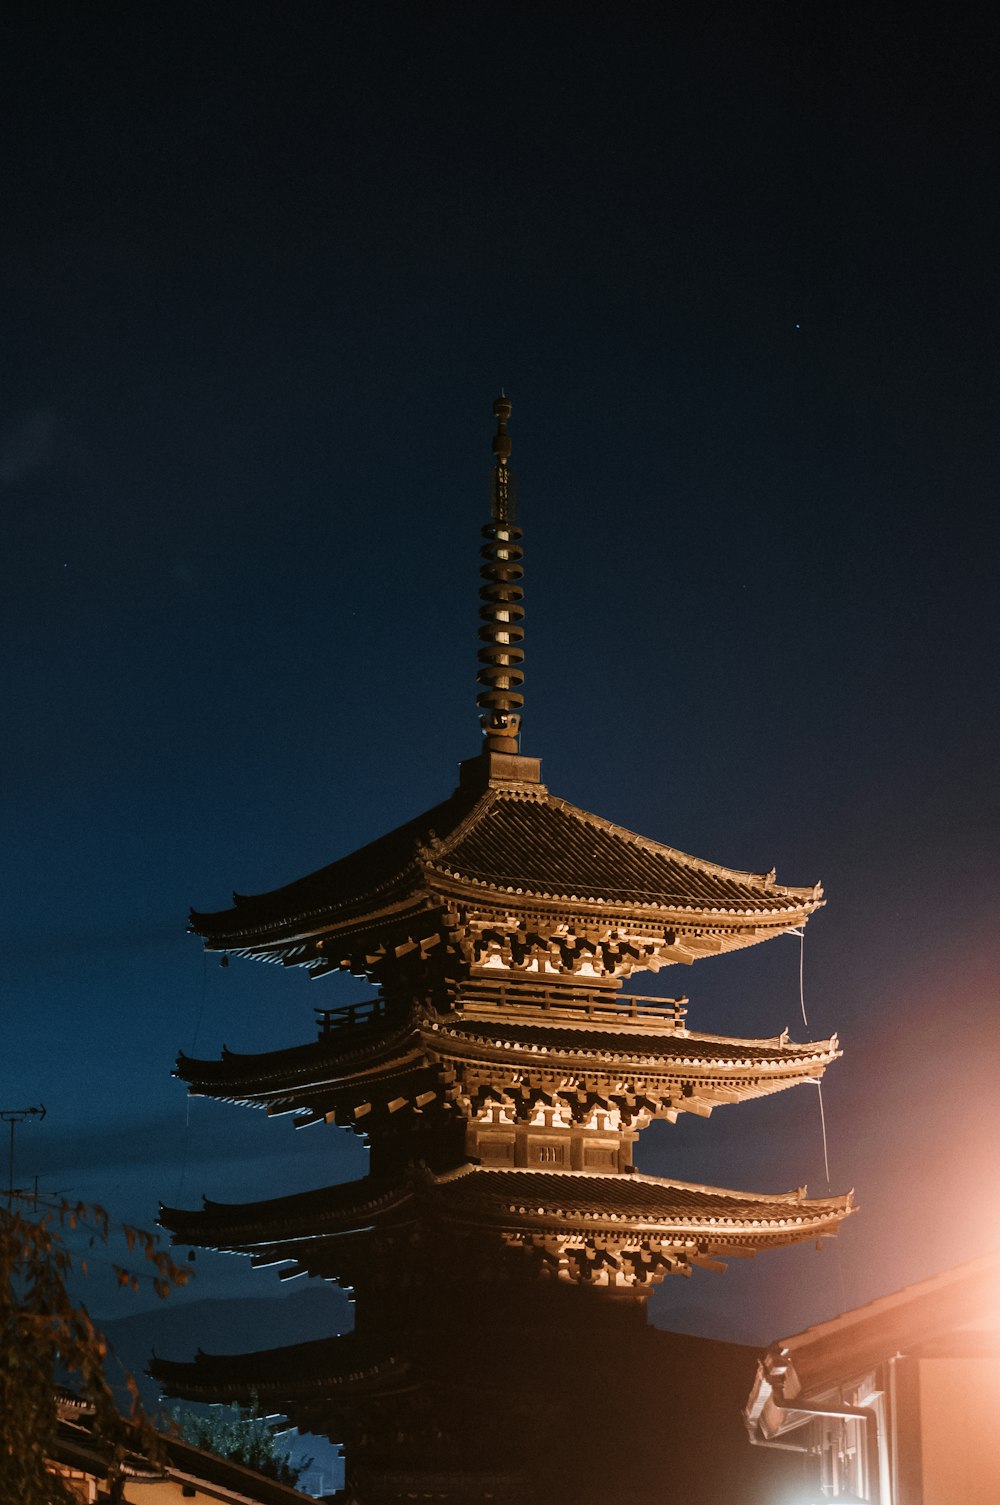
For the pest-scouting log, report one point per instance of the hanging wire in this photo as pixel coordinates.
(201, 1000)
(800, 931)
(822, 1124)
(185, 1140)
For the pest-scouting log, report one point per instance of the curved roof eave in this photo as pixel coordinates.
(390, 873)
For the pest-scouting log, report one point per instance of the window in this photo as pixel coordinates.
(549, 1154)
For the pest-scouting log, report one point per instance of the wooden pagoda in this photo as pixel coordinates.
(501, 1077)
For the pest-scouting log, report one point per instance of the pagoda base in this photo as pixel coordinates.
(498, 767)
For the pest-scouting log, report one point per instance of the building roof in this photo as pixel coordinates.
(833, 1353)
(350, 1362)
(356, 1058)
(255, 1076)
(516, 1200)
(75, 1447)
(582, 1413)
(652, 1048)
(586, 1198)
(344, 1206)
(433, 1062)
(502, 840)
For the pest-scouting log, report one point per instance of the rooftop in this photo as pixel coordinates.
(514, 1198)
(512, 843)
(954, 1313)
(501, 843)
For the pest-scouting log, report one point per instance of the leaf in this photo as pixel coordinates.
(41, 1325)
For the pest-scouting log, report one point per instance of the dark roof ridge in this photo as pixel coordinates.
(334, 1344)
(419, 828)
(306, 1051)
(432, 853)
(350, 1195)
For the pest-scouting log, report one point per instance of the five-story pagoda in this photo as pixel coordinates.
(501, 1077)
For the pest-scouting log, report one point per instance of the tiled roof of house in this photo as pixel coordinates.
(182, 1469)
(845, 1346)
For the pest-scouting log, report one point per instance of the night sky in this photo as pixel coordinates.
(264, 268)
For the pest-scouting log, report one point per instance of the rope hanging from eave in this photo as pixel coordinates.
(800, 931)
(186, 1138)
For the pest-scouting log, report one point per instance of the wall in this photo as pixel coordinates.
(960, 1431)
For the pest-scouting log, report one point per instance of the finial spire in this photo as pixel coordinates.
(501, 612)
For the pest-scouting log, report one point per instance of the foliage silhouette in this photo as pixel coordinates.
(47, 1335)
(244, 1436)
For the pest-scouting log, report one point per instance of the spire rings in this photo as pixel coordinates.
(501, 611)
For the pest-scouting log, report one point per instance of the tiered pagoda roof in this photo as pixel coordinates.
(513, 1433)
(277, 1378)
(503, 847)
(502, 1076)
(433, 1058)
(691, 1222)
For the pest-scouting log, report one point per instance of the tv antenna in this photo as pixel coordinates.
(15, 1116)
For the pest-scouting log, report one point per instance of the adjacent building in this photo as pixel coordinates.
(895, 1403)
(181, 1474)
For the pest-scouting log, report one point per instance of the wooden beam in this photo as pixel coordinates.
(675, 954)
(707, 943)
(704, 1263)
(715, 1094)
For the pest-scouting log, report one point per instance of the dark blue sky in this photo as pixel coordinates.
(264, 269)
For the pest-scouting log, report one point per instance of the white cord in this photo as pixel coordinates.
(822, 1124)
(801, 933)
(187, 1096)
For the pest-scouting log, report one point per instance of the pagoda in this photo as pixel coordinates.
(502, 1245)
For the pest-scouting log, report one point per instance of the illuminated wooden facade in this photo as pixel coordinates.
(896, 1402)
(501, 1076)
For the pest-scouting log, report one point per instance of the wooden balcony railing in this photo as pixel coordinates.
(481, 996)
(571, 1003)
(331, 1021)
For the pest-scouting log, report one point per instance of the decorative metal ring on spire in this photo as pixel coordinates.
(501, 611)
